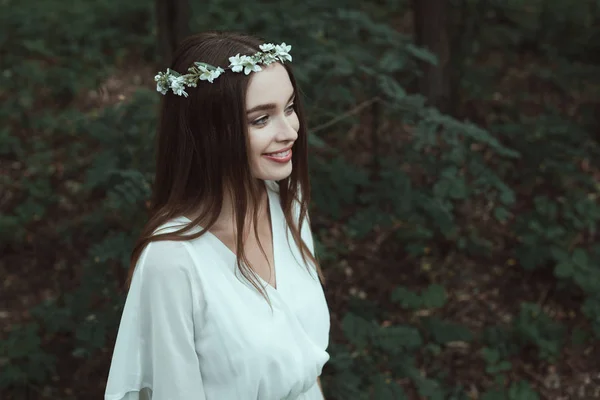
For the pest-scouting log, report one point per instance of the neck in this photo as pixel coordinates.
(226, 223)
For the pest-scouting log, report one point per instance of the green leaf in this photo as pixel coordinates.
(407, 298)
(502, 366)
(422, 54)
(397, 339)
(522, 390)
(391, 88)
(491, 356)
(434, 296)
(357, 330)
(392, 61)
(563, 270)
(341, 359)
(444, 332)
(458, 188)
(386, 389)
(507, 196)
(346, 385)
(430, 389)
(501, 214)
(580, 258)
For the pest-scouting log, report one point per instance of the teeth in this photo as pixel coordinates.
(282, 154)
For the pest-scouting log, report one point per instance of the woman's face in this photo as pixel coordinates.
(272, 123)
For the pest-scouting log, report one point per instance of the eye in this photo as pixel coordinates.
(290, 109)
(260, 121)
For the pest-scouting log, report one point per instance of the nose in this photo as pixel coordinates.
(288, 130)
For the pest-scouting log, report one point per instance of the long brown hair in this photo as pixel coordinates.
(202, 146)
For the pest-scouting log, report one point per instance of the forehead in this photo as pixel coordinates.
(271, 85)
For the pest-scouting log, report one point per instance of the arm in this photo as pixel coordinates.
(155, 346)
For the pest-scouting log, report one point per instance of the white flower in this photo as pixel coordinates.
(177, 86)
(176, 82)
(283, 48)
(181, 92)
(237, 62)
(205, 72)
(251, 67)
(209, 74)
(268, 58)
(246, 63)
(267, 47)
(162, 83)
(215, 73)
(283, 51)
(161, 88)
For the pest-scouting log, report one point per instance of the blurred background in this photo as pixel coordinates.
(455, 164)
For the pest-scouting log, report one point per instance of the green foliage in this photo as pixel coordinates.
(443, 332)
(535, 327)
(80, 173)
(380, 348)
(520, 390)
(385, 389)
(493, 362)
(434, 296)
(27, 360)
(66, 156)
(532, 328)
(558, 224)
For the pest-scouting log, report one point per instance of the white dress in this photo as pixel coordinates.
(194, 329)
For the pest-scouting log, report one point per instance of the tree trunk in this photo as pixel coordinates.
(172, 19)
(431, 32)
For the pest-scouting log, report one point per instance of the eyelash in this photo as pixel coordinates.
(263, 120)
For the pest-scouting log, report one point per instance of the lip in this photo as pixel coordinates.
(279, 151)
(279, 159)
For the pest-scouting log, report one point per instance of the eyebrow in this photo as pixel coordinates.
(268, 106)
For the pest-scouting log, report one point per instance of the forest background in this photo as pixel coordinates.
(455, 155)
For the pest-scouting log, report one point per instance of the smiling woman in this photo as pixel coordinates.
(273, 123)
(225, 298)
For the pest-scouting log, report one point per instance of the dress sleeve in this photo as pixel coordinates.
(155, 356)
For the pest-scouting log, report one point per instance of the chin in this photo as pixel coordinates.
(275, 174)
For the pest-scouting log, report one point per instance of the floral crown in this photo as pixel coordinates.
(200, 71)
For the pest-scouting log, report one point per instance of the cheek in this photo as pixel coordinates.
(257, 142)
(295, 122)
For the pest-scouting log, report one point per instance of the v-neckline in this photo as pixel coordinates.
(274, 227)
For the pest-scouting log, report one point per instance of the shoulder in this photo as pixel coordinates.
(165, 282)
(167, 269)
(164, 255)
(165, 259)
(171, 226)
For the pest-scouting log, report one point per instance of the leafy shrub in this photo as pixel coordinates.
(84, 175)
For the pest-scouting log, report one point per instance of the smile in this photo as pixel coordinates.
(282, 157)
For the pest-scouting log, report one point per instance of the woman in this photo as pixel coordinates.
(225, 299)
